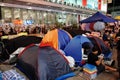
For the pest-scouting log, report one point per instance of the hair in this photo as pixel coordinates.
(95, 48)
(119, 31)
(106, 31)
(86, 45)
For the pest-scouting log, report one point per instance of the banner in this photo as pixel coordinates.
(84, 2)
(99, 4)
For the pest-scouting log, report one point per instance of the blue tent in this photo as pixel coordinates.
(74, 48)
(98, 17)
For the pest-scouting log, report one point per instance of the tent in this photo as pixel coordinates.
(42, 63)
(102, 48)
(75, 32)
(74, 48)
(56, 38)
(98, 17)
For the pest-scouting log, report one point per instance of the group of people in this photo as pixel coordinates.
(8, 29)
(98, 61)
(109, 38)
(93, 57)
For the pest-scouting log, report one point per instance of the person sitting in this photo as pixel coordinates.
(106, 38)
(96, 60)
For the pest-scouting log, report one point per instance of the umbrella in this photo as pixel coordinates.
(98, 17)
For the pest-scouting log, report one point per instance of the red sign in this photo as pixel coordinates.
(99, 4)
(84, 2)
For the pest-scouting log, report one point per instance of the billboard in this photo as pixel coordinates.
(92, 4)
(103, 6)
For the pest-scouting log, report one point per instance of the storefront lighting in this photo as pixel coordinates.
(74, 13)
(63, 12)
(2, 4)
(29, 7)
(49, 10)
(44, 14)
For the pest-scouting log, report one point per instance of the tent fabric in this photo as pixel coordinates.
(66, 76)
(74, 47)
(27, 62)
(56, 38)
(42, 63)
(21, 41)
(75, 32)
(98, 16)
(51, 65)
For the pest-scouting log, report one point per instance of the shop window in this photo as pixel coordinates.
(31, 14)
(7, 13)
(16, 13)
(25, 14)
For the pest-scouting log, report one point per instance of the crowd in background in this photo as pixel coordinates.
(7, 29)
(108, 34)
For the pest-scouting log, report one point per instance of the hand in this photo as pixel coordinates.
(101, 56)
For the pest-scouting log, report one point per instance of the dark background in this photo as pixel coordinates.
(111, 6)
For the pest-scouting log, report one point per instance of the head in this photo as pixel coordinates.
(87, 46)
(106, 32)
(95, 50)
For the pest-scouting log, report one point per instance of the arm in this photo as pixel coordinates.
(99, 61)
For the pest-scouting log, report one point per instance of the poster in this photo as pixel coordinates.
(92, 4)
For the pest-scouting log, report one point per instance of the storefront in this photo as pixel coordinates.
(29, 16)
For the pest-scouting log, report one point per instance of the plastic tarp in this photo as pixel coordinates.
(21, 41)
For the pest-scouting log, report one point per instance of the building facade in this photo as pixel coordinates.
(48, 11)
(114, 9)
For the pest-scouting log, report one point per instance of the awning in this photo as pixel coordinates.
(117, 17)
